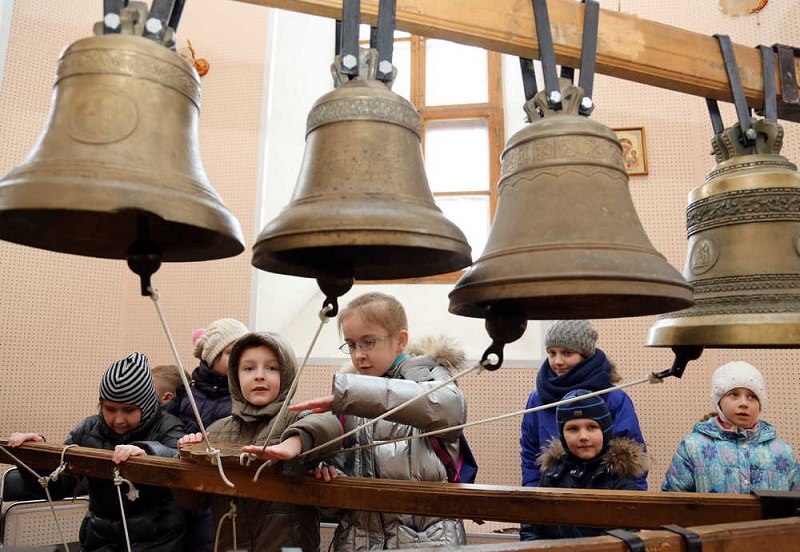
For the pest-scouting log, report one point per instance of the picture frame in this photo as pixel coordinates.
(634, 149)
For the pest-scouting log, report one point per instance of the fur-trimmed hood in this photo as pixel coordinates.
(443, 350)
(624, 457)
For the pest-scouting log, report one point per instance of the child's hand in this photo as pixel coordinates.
(286, 450)
(17, 439)
(190, 438)
(317, 406)
(123, 452)
(325, 472)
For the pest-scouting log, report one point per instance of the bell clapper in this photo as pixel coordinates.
(333, 287)
(683, 355)
(144, 256)
(505, 323)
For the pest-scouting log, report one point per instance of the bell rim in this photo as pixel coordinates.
(734, 331)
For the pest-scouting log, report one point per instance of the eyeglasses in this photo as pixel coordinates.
(365, 345)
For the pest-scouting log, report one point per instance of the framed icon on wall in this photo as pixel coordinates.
(634, 149)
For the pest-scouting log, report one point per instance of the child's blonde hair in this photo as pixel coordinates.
(379, 309)
(166, 378)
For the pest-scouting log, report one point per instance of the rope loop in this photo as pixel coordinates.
(133, 492)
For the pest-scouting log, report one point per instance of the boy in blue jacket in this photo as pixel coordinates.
(586, 456)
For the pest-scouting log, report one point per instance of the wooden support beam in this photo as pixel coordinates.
(647, 510)
(628, 47)
(775, 535)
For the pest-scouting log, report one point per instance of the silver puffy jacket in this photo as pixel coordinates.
(361, 398)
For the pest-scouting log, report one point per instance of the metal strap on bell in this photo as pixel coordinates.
(743, 226)
(120, 145)
(362, 206)
(566, 241)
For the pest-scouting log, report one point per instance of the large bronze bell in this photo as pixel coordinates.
(119, 149)
(566, 241)
(362, 206)
(743, 255)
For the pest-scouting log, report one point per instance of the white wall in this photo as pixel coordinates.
(6, 9)
(298, 73)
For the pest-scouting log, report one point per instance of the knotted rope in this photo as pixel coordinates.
(44, 481)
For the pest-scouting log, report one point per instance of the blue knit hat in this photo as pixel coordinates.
(593, 407)
(129, 381)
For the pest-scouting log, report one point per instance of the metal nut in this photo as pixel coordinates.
(111, 20)
(154, 25)
(349, 61)
(385, 67)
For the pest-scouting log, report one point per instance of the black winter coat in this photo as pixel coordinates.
(155, 523)
(210, 391)
(616, 468)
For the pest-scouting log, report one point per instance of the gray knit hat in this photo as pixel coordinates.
(128, 381)
(575, 335)
(216, 337)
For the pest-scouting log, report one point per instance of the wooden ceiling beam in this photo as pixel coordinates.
(628, 47)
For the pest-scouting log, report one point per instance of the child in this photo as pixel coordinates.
(210, 379)
(586, 456)
(212, 346)
(573, 362)
(733, 451)
(262, 370)
(375, 331)
(167, 379)
(130, 423)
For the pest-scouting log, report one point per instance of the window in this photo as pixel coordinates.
(458, 92)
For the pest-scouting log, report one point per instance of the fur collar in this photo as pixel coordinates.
(623, 458)
(443, 350)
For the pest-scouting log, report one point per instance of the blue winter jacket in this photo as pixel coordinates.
(210, 391)
(713, 460)
(538, 428)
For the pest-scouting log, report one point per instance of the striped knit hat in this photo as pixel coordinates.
(592, 407)
(129, 381)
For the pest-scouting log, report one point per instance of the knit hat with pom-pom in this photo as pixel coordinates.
(216, 337)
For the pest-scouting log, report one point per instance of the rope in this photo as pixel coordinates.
(44, 481)
(292, 388)
(154, 295)
(649, 378)
(373, 421)
(132, 495)
(231, 513)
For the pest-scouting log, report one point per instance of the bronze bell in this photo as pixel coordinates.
(743, 257)
(566, 241)
(362, 206)
(119, 149)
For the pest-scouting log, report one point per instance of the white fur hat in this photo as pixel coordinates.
(737, 374)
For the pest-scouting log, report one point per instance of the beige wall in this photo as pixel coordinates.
(64, 318)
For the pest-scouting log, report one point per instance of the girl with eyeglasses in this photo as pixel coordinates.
(386, 372)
